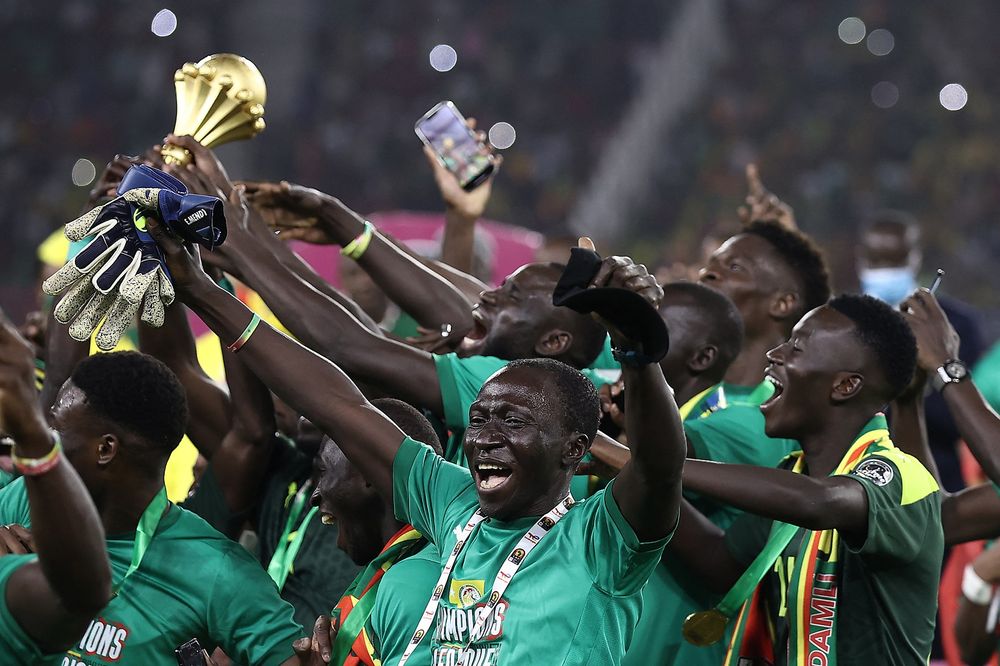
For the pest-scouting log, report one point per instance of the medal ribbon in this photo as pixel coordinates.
(356, 605)
(290, 542)
(144, 532)
(504, 577)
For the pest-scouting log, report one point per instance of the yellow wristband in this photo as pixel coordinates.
(357, 247)
(36, 466)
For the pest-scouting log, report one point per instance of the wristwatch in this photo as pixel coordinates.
(952, 372)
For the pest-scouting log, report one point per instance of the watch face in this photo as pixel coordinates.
(956, 370)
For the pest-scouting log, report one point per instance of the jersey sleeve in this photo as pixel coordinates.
(252, 624)
(14, 508)
(460, 380)
(430, 493)
(904, 505)
(619, 562)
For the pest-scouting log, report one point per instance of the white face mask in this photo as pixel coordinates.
(891, 285)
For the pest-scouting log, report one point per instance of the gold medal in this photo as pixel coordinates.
(704, 628)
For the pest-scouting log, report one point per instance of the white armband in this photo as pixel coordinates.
(974, 588)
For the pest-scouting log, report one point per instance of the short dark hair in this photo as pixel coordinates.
(136, 392)
(413, 424)
(581, 407)
(801, 255)
(721, 318)
(886, 335)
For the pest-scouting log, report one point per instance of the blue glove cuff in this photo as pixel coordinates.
(140, 175)
(194, 217)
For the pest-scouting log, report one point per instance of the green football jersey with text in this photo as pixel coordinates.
(193, 582)
(886, 585)
(575, 599)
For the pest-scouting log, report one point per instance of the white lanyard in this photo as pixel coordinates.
(507, 570)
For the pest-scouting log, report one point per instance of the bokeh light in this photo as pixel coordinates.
(953, 96)
(443, 57)
(881, 42)
(164, 23)
(885, 94)
(851, 30)
(83, 173)
(502, 135)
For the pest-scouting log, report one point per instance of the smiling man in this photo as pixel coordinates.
(841, 546)
(518, 554)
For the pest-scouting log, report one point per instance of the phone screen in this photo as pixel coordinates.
(446, 132)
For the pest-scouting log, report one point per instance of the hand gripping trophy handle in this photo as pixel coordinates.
(219, 99)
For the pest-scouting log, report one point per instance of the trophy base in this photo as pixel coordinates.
(175, 155)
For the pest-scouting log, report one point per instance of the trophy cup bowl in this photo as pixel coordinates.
(219, 99)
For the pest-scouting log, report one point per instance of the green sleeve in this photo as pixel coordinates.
(746, 537)
(14, 508)
(16, 646)
(460, 380)
(618, 561)
(736, 435)
(6, 478)
(259, 629)
(904, 508)
(208, 502)
(429, 492)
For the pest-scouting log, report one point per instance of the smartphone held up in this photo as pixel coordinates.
(445, 130)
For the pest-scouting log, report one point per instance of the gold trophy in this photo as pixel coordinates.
(219, 99)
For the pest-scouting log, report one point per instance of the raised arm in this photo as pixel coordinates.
(54, 598)
(462, 208)
(309, 383)
(648, 488)
(835, 502)
(422, 293)
(209, 403)
(976, 642)
(240, 464)
(937, 343)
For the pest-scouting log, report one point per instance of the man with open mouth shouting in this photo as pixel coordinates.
(838, 557)
(579, 567)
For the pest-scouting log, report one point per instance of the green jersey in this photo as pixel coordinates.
(723, 424)
(872, 602)
(320, 571)
(460, 380)
(402, 597)
(575, 599)
(193, 582)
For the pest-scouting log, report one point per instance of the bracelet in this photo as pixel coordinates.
(974, 588)
(37, 466)
(359, 245)
(631, 358)
(245, 335)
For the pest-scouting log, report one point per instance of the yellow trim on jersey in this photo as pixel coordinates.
(917, 482)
